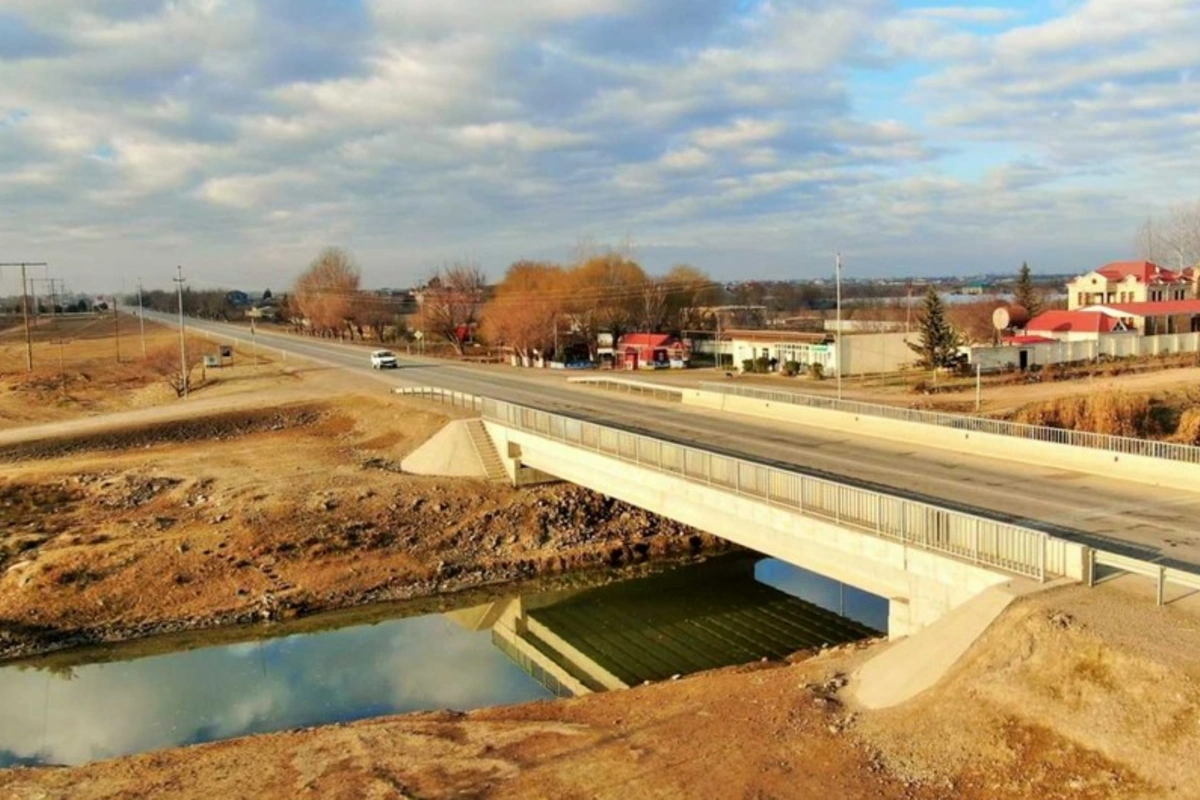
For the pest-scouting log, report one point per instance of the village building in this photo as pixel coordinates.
(652, 351)
(1131, 282)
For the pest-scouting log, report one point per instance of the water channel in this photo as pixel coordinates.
(505, 649)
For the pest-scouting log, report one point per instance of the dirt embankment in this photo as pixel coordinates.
(256, 515)
(1072, 695)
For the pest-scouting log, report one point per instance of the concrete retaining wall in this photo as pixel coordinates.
(1141, 469)
(921, 586)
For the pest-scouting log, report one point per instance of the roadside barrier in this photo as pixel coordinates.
(1125, 445)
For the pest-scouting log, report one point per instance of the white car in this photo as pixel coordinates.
(384, 359)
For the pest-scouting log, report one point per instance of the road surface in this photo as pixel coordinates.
(1135, 519)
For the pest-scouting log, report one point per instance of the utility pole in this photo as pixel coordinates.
(117, 328)
(141, 318)
(25, 306)
(182, 343)
(838, 358)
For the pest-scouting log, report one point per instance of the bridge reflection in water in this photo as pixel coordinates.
(703, 617)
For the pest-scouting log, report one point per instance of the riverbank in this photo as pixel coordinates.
(1073, 693)
(254, 511)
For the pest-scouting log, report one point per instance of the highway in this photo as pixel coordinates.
(1136, 519)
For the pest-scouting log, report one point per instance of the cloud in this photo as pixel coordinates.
(248, 137)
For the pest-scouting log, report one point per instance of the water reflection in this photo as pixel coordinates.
(509, 650)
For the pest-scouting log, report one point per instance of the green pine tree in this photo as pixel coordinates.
(1025, 295)
(939, 342)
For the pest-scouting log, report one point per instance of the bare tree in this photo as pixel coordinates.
(1174, 240)
(450, 303)
(690, 292)
(606, 295)
(326, 293)
(378, 313)
(527, 308)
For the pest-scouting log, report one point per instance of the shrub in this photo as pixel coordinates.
(816, 371)
(747, 365)
(762, 364)
(791, 368)
(1188, 431)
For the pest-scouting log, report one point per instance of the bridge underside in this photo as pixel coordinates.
(920, 585)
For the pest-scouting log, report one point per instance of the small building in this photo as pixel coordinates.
(861, 353)
(652, 351)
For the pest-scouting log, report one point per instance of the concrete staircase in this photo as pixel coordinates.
(489, 457)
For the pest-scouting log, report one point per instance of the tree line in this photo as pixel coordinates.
(536, 306)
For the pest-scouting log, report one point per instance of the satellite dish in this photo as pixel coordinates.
(1007, 317)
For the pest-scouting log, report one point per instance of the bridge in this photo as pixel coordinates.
(1115, 505)
(924, 559)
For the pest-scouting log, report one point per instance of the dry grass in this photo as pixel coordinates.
(1188, 431)
(1113, 413)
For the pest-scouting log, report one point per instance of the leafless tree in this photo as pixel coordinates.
(327, 291)
(450, 303)
(1174, 240)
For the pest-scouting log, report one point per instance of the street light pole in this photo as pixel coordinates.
(183, 371)
(838, 356)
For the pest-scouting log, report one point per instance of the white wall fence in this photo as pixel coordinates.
(1117, 444)
(986, 542)
(1107, 345)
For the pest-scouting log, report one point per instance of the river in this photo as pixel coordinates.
(507, 649)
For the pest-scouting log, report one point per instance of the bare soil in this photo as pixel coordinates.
(278, 495)
(257, 514)
(80, 370)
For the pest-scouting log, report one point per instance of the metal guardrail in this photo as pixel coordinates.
(979, 540)
(632, 386)
(1162, 575)
(456, 399)
(1097, 441)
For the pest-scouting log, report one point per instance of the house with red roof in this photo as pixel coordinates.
(1132, 282)
(652, 351)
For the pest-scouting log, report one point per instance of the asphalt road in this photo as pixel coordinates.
(1116, 515)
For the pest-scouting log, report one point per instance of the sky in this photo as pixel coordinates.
(751, 138)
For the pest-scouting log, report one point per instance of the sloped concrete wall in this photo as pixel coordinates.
(448, 452)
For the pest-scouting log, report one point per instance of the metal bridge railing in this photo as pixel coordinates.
(456, 399)
(630, 386)
(979, 540)
(1098, 441)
